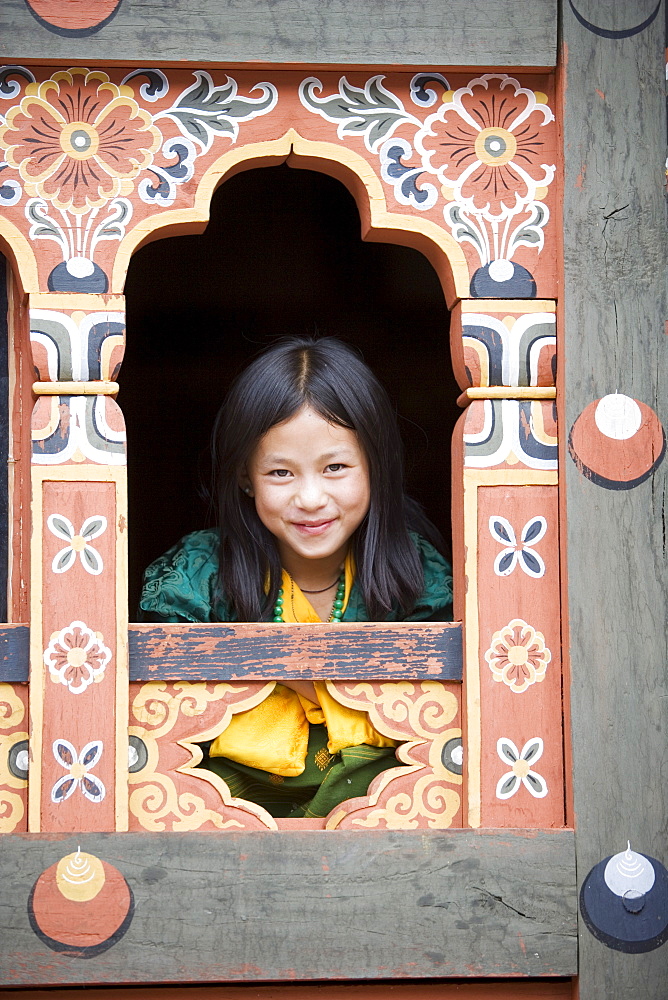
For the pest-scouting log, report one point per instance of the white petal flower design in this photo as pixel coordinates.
(518, 656)
(62, 527)
(76, 657)
(514, 552)
(78, 767)
(521, 772)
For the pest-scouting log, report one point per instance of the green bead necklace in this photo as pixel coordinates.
(337, 607)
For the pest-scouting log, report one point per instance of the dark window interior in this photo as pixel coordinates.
(281, 255)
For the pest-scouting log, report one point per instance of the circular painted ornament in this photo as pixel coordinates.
(617, 442)
(73, 17)
(80, 906)
(624, 902)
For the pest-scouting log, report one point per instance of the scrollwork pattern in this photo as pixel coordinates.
(161, 798)
(12, 789)
(12, 709)
(423, 793)
(400, 709)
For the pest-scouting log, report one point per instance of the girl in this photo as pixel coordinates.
(313, 526)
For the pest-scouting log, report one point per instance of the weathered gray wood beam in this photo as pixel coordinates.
(236, 907)
(615, 314)
(377, 32)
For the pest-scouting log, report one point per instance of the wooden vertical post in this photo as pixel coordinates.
(615, 310)
(505, 528)
(79, 674)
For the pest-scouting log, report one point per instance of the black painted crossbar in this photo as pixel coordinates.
(346, 651)
(14, 653)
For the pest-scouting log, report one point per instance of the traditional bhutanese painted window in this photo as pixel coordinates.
(459, 167)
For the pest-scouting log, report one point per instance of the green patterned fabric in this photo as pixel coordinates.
(325, 782)
(181, 586)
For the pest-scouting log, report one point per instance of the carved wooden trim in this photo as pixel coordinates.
(170, 792)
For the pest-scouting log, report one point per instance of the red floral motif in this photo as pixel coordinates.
(485, 145)
(78, 140)
(76, 657)
(518, 656)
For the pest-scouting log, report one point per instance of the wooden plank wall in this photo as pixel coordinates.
(423, 33)
(615, 331)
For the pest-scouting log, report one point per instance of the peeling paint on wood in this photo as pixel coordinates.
(14, 653)
(353, 651)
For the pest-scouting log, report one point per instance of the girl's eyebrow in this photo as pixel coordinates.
(327, 456)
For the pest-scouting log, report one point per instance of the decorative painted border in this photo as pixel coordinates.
(469, 158)
(169, 791)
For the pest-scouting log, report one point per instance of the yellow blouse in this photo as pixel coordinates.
(274, 735)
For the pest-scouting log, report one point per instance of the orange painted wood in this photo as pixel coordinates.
(13, 740)
(346, 651)
(18, 604)
(73, 15)
(520, 703)
(169, 720)
(169, 792)
(332, 145)
(79, 687)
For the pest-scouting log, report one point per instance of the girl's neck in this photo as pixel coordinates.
(314, 574)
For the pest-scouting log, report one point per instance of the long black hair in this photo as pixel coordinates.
(331, 378)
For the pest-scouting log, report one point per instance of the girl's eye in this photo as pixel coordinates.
(335, 467)
(280, 473)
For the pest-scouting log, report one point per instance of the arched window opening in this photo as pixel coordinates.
(282, 255)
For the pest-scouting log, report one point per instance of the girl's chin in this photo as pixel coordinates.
(322, 546)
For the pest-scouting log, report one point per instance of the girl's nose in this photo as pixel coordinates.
(310, 494)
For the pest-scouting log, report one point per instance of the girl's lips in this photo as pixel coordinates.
(312, 527)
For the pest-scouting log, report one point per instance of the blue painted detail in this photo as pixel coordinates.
(97, 335)
(61, 280)
(531, 446)
(628, 925)
(520, 286)
(14, 654)
(405, 177)
(608, 32)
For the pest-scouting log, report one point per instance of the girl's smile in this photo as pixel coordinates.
(310, 482)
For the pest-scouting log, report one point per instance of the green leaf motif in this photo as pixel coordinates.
(66, 558)
(463, 229)
(42, 224)
(530, 233)
(61, 526)
(91, 560)
(204, 110)
(93, 528)
(371, 111)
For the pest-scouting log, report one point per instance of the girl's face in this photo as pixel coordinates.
(310, 482)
